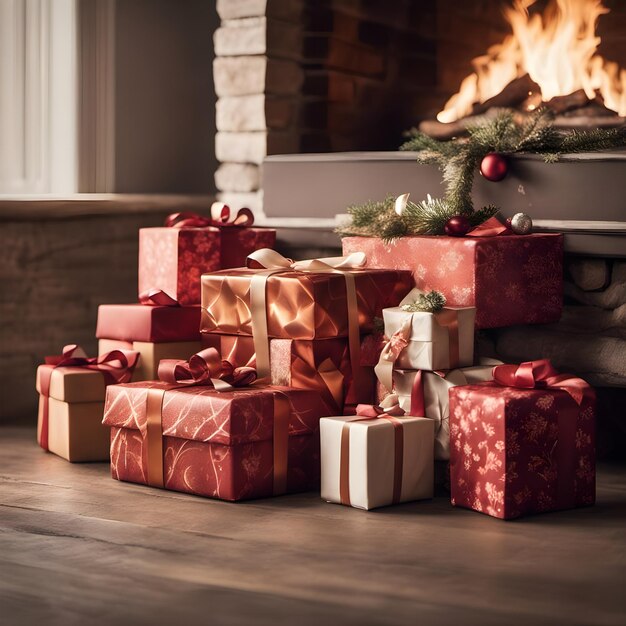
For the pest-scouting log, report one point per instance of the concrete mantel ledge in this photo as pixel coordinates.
(28, 208)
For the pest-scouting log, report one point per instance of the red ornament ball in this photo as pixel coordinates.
(494, 167)
(457, 226)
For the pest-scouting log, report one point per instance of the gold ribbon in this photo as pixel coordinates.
(271, 262)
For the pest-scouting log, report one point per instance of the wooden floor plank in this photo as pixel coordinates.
(77, 546)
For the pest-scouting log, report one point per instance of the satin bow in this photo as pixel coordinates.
(116, 364)
(205, 368)
(269, 259)
(389, 406)
(540, 375)
(220, 217)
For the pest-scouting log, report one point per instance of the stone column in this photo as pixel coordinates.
(258, 79)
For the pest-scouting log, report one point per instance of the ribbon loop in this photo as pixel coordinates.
(221, 217)
(157, 297)
(540, 375)
(205, 368)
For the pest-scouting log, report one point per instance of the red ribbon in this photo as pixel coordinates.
(157, 297)
(220, 218)
(116, 366)
(490, 228)
(541, 375)
(205, 368)
(368, 412)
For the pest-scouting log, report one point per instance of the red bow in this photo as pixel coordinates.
(540, 375)
(205, 368)
(220, 218)
(388, 408)
(117, 365)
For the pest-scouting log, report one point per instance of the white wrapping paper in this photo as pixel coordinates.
(429, 342)
(436, 401)
(371, 460)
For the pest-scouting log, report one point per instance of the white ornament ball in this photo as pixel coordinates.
(521, 224)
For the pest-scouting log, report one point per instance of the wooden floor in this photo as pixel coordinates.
(77, 547)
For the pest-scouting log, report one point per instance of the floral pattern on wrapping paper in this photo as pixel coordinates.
(173, 259)
(504, 458)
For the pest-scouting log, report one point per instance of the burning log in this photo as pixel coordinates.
(516, 92)
(575, 100)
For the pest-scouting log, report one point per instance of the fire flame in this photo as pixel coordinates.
(557, 50)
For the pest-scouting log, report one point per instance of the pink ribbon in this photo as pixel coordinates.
(205, 368)
(220, 218)
(116, 366)
(490, 228)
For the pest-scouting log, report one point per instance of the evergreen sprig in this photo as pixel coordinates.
(430, 302)
(459, 158)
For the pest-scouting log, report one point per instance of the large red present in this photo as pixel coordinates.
(173, 258)
(510, 279)
(139, 322)
(231, 444)
(322, 365)
(523, 443)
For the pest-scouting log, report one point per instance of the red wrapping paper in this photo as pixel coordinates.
(516, 451)
(510, 279)
(173, 259)
(297, 363)
(215, 444)
(157, 324)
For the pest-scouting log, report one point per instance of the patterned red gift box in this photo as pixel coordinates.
(219, 444)
(173, 258)
(518, 450)
(510, 279)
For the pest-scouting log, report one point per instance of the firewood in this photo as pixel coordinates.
(512, 95)
(575, 100)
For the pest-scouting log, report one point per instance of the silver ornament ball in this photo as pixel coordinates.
(521, 224)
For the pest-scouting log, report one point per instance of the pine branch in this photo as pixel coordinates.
(430, 302)
(427, 217)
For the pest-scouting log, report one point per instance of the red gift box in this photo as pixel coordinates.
(322, 365)
(157, 324)
(518, 450)
(217, 444)
(173, 258)
(510, 279)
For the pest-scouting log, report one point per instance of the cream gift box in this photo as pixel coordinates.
(75, 406)
(365, 464)
(434, 390)
(436, 341)
(151, 353)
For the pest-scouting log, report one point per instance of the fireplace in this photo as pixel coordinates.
(331, 88)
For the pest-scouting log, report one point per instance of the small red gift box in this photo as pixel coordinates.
(523, 443)
(230, 444)
(510, 279)
(139, 322)
(173, 258)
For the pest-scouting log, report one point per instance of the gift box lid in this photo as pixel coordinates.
(201, 413)
(139, 322)
(424, 326)
(73, 384)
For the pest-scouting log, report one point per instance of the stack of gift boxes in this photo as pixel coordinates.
(259, 379)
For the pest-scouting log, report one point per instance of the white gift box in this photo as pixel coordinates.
(429, 346)
(370, 466)
(436, 402)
